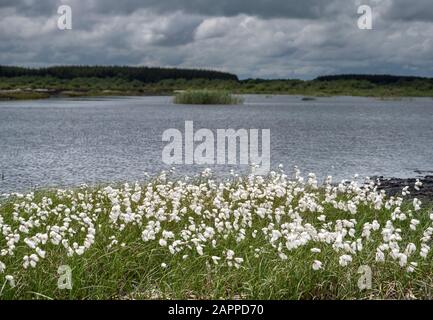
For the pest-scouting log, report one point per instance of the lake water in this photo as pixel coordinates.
(66, 142)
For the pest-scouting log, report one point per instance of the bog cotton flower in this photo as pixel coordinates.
(239, 260)
(321, 218)
(80, 251)
(317, 265)
(41, 253)
(10, 279)
(230, 254)
(414, 223)
(215, 259)
(282, 256)
(345, 260)
(402, 259)
(411, 268)
(417, 204)
(380, 256)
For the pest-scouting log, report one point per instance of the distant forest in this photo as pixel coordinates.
(373, 78)
(143, 74)
(153, 75)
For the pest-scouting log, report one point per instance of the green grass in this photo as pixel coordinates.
(23, 95)
(206, 97)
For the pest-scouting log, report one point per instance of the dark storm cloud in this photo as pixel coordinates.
(32, 7)
(308, 9)
(305, 9)
(418, 10)
(262, 8)
(256, 38)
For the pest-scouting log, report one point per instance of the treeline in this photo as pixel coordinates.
(154, 75)
(381, 79)
(143, 74)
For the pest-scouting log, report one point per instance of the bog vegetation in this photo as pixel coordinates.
(277, 237)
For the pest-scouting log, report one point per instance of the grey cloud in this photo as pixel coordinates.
(419, 10)
(275, 39)
(32, 7)
(262, 8)
(178, 30)
(308, 9)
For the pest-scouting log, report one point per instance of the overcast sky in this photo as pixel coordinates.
(252, 38)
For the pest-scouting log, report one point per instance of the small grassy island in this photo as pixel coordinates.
(79, 81)
(206, 97)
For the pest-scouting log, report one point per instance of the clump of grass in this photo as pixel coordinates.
(308, 99)
(206, 97)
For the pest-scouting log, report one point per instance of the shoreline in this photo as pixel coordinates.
(14, 95)
(394, 186)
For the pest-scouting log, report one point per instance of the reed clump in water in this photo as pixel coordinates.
(206, 97)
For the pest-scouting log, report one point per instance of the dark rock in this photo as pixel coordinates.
(394, 186)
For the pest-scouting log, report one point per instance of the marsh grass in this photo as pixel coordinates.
(23, 95)
(206, 97)
(133, 270)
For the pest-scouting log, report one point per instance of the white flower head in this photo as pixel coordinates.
(317, 265)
